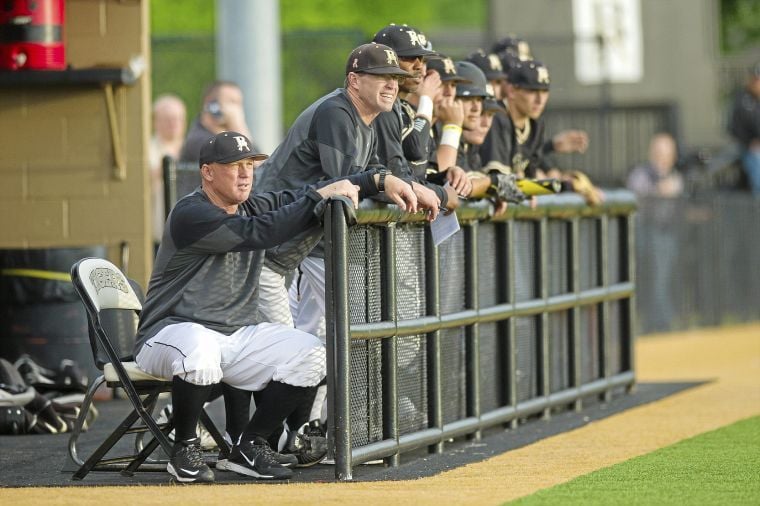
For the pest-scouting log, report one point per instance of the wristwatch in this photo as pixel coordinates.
(381, 184)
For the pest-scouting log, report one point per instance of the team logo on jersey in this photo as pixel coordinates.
(242, 143)
(103, 277)
(495, 63)
(414, 38)
(390, 54)
(543, 75)
(448, 66)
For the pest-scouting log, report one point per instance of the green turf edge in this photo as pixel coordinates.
(720, 467)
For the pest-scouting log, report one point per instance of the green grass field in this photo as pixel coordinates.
(721, 467)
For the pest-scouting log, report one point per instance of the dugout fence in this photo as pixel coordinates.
(508, 318)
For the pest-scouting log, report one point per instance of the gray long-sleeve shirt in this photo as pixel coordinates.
(208, 265)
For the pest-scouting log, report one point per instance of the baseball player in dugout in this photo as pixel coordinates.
(404, 132)
(200, 324)
(516, 142)
(221, 110)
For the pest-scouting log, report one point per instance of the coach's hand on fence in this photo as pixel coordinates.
(343, 188)
(400, 192)
(428, 200)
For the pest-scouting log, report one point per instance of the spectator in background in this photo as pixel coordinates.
(169, 125)
(658, 238)
(221, 109)
(744, 126)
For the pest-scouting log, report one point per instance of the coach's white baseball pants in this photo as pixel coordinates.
(248, 359)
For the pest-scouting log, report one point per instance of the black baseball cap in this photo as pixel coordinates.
(491, 104)
(477, 80)
(228, 147)
(514, 45)
(405, 40)
(374, 58)
(531, 75)
(445, 68)
(508, 60)
(490, 64)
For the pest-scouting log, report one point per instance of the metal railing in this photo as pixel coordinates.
(508, 318)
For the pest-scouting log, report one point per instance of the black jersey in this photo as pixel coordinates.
(390, 127)
(523, 155)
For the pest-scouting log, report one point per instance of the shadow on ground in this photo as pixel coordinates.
(42, 460)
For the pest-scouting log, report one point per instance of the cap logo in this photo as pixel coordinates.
(495, 62)
(448, 66)
(543, 75)
(423, 40)
(242, 143)
(391, 57)
(523, 50)
(356, 63)
(414, 38)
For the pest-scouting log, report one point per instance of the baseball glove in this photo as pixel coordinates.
(504, 187)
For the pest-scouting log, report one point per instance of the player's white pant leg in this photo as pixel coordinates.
(255, 355)
(188, 350)
(307, 293)
(274, 305)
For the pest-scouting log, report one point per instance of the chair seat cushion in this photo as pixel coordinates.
(134, 373)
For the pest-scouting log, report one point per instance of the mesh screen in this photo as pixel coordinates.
(589, 254)
(589, 343)
(364, 294)
(527, 359)
(488, 285)
(616, 336)
(558, 248)
(451, 265)
(614, 264)
(559, 350)
(411, 358)
(524, 249)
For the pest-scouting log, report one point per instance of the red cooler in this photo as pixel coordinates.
(31, 35)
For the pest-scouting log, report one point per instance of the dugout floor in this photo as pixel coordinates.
(689, 383)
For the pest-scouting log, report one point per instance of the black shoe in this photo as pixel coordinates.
(186, 463)
(284, 460)
(255, 458)
(308, 444)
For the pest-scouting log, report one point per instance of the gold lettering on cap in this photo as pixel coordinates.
(391, 56)
(423, 39)
(495, 62)
(413, 38)
(523, 50)
(543, 75)
(448, 66)
(356, 63)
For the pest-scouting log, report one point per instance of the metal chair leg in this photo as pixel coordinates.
(79, 425)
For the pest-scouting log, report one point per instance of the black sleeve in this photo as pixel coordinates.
(334, 132)
(390, 152)
(498, 142)
(203, 228)
(417, 140)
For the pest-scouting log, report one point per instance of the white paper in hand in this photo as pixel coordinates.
(444, 227)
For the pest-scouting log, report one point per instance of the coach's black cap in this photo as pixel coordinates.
(405, 40)
(228, 147)
(531, 75)
(445, 68)
(374, 58)
(490, 64)
(477, 81)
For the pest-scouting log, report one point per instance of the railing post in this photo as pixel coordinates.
(576, 364)
(389, 348)
(338, 336)
(433, 341)
(472, 334)
(544, 368)
(511, 328)
(605, 327)
(629, 329)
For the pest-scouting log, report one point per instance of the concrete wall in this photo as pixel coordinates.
(680, 57)
(56, 158)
